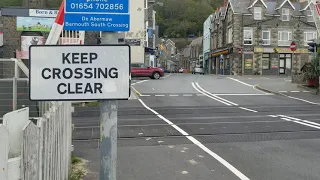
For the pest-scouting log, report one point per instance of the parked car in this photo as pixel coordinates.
(181, 70)
(141, 70)
(198, 70)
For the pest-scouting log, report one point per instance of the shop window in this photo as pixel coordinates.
(265, 61)
(257, 13)
(247, 36)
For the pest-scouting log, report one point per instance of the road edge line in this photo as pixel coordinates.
(136, 91)
(199, 144)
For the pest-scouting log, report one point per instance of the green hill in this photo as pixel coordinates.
(180, 18)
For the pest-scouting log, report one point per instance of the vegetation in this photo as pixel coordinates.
(78, 168)
(311, 71)
(181, 18)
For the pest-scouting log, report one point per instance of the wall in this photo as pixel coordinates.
(137, 30)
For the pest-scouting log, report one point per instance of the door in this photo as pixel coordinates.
(285, 64)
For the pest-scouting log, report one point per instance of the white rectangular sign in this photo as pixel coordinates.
(78, 72)
(43, 13)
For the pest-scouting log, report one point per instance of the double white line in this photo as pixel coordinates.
(300, 121)
(197, 87)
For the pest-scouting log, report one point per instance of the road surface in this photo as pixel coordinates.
(189, 127)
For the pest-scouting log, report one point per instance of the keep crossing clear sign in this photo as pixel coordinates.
(69, 72)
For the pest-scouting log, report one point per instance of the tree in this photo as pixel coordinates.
(180, 18)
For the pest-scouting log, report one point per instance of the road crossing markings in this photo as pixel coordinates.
(301, 121)
(239, 174)
(187, 95)
(212, 97)
(206, 92)
(248, 109)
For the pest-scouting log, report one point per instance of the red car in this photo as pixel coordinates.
(141, 70)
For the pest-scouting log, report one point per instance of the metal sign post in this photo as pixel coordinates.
(81, 72)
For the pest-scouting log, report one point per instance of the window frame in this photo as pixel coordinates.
(250, 30)
(256, 13)
(230, 35)
(314, 33)
(309, 14)
(283, 13)
(268, 40)
(289, 38)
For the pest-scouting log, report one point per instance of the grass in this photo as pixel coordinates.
(78, 169)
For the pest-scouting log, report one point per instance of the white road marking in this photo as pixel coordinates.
(187, 95)
(248, 109)
(133, 84)
(301, 99)
(287, 119)
(200, 95)
(294, 91)
(240, 82)
(159, 95)
(232, 103)
(145, 95)
(172, 95)
(265, 94)
(305, 121)
(283, 91)
(200, 145)
(209, 96)
(153, 89)
(167, 76)
(273, 116)
(306, 91)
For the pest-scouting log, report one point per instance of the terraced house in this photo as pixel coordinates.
(254, 37)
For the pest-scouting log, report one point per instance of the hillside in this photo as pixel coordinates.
(180, 18)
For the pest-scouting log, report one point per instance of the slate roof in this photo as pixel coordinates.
(186, 51)
(241, 6)
(197, 41)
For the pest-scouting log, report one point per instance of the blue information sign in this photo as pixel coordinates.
(97, 15)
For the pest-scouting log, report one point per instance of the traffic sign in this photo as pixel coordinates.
(240, 51)
(293, 46)
(97, 15)
(79, 72)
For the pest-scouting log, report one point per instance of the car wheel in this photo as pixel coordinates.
(156, 75)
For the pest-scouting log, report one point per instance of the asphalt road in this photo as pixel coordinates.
(208, 127)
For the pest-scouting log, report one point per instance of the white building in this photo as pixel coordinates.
(206, 41)
(137, 30)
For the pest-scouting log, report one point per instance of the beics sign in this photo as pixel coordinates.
(77, 72)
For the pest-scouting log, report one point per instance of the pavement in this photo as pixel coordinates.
(209, 127)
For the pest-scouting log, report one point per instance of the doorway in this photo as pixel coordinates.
(285, 61)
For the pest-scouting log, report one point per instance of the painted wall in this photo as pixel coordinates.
(137, 30)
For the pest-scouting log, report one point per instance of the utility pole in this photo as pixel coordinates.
(108, 124)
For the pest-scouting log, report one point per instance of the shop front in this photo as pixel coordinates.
(206, 62)
(220, 62)
(281, 61)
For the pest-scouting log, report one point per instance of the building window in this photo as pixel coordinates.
(309, 36)
(230, 34)
(266, 37)
(284, 38)
(257, 13)
(285, 15)
(247, 36)
(309, 16)
(265, 61)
